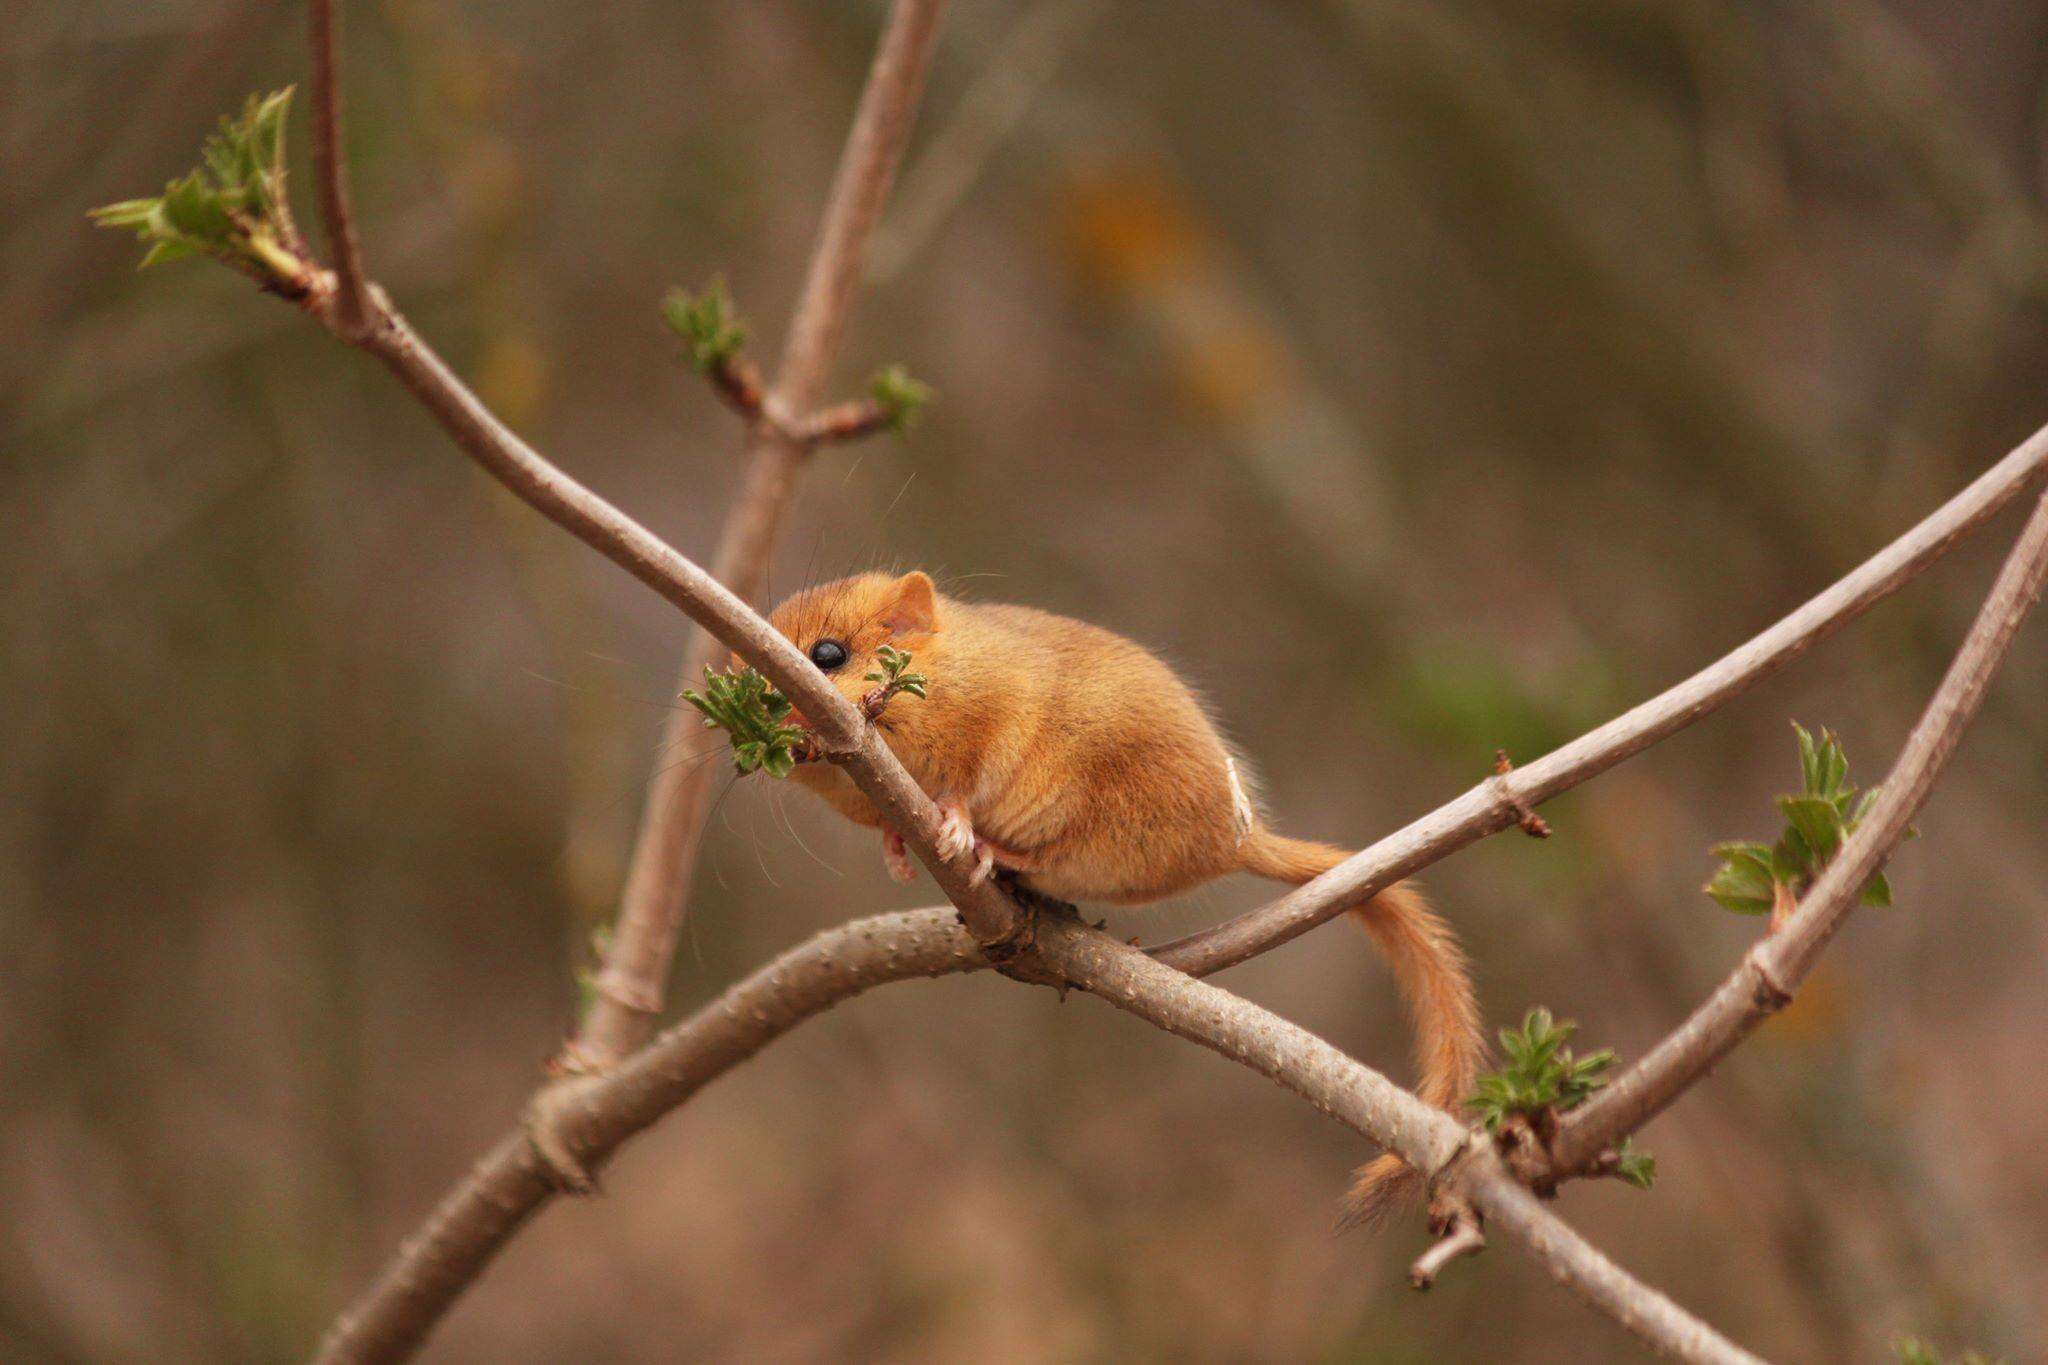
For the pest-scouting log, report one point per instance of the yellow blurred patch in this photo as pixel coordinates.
(1127, 228)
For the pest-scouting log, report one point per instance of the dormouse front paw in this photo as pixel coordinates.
(956, 831)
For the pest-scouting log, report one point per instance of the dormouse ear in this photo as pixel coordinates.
(911, 607)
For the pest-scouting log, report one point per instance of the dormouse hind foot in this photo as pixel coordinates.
(896, 858)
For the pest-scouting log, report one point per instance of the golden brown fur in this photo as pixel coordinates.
(1088, 768)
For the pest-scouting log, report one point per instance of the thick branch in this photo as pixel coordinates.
(635, 974)
(1771, 970)
(1497, 803)
(353, 307)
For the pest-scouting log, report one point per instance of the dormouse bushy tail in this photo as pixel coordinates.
(1429, 968)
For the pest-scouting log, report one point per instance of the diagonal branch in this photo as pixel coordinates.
(511, 1182)
(844, 734)
(1501, 800)
(1769, 973)
(354, 310)
(634, 978)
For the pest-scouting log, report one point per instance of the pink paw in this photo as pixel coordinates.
(956, 832)
(896, 859)
(957, 839)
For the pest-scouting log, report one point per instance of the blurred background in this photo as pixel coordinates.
(1420, 379)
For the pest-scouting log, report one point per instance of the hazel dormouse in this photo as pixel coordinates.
(1082, 765)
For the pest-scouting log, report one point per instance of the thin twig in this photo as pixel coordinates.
(631, 985)
(985, 116)
(354, 309)
(1497, 803)
(1465, 1238)
(1773, 969)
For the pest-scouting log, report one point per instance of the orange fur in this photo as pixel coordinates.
(1086, 766)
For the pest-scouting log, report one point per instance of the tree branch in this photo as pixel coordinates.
(1580, 1266)
(1773, 969)
(504, 1190)
(844, 734)
(634, 978)
(354, 311)
(1500, 801)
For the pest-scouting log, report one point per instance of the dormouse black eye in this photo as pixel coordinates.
(828, 654)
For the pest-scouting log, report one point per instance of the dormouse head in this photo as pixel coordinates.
(841, 625)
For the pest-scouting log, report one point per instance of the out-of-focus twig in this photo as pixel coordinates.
(988, 112)
(632, 982)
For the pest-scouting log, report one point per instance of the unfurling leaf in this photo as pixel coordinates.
(232, 206)
(1754, 879)
(1818, 821)
(892, 671)
(711, 331)
(751, 712)
(1635, 1167)
(1542, 1079)
(902, 398)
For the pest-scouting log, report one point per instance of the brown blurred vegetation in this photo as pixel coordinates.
(1419, 378)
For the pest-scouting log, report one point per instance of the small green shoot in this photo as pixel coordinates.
(1634, 1167)
(1542, 1079)
(1756, 879)
(753, 714)
(901, 397)
(893, 672)
(1541, 1073)
(711, 331)
(232, 207)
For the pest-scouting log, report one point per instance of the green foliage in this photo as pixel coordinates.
(894, 675)
(753, 714)
(711, 331)
(1916, 1351)
(902, 397)
(1542, 1079)
(1636, 1167)
(1818, 818)
(1541, 1073)
(232, 206)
